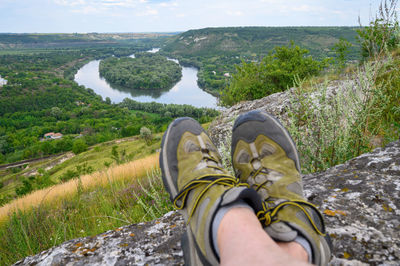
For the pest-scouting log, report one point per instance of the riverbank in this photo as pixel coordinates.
(186, 91)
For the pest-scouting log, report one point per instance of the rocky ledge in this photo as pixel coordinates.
(360, 200)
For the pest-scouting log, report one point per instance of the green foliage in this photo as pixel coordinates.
(145, 134)
(216, 51)
(329, 130)
(79, 146)
(25, 188)
(388, 80)
(69, 174)
(276, 72)
(41, 180)
(87, 213)
(37, 100)
(145, 71)
(382, 33)
(118, 157)
(171, 110)
(341, 50)
(153, 202)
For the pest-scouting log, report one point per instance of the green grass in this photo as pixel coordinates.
(87, 212)
(96, 158)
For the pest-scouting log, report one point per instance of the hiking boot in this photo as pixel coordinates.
(265, 156)
(192, 173)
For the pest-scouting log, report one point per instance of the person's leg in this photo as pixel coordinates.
(200, 188)
(265, 157)
(243, 241)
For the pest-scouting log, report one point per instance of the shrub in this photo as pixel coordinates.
(145, 134)
(341, 48)
(275, 73)
(79, 146)
(382, 33)
(332, 126)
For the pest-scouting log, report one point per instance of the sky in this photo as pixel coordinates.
(68, 16)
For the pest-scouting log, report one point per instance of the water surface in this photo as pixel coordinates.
(186, 91)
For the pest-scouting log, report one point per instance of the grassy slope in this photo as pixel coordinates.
(107, 199)
(96, 158)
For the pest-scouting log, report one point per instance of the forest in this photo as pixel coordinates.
(39, 98)
(144, 72)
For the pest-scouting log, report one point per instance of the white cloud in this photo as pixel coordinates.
(70, 2)
(234, 13)
(148, 12)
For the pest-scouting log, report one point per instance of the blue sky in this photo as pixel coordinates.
(176, 15)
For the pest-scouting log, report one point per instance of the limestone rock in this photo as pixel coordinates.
(152, 243)
(361, 202)
(360, 199)
(275, 104)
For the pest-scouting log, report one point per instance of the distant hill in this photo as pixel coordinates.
(258, 40)
(69, 40)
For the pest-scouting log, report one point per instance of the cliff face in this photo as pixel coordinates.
(360, 200)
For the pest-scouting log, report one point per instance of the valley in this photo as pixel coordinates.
(94, 145)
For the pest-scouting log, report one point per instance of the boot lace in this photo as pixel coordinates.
(207, 181)
(269, 213)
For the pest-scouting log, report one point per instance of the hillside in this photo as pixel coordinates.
(257, 41)
(34, 41)
(216, 51)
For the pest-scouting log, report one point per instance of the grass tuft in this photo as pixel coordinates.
(90, 205)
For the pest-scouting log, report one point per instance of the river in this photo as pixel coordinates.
(186, 91)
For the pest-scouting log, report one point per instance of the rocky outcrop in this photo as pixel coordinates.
(275, 104)
(152, 243)
(360, 200)
(361, 203)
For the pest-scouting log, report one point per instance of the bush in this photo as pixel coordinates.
(79, 146)
(69, 174)
(331, 127)
(382, 33)
(26, 187)
(275, 73)
(341, 49)
(145, 134)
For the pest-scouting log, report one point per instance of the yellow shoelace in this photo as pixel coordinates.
(269, 215)
(209, 180)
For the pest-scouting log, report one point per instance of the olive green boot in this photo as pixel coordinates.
(265, 157)
(198, 186)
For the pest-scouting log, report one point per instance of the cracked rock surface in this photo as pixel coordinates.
(361, 202)
(152, 243)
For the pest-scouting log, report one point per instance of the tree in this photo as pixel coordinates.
(56, 112)
(79, 146)
(341, 49)
(145, 134)
(276, 72)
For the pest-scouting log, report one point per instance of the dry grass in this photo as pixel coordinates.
(58, 192)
